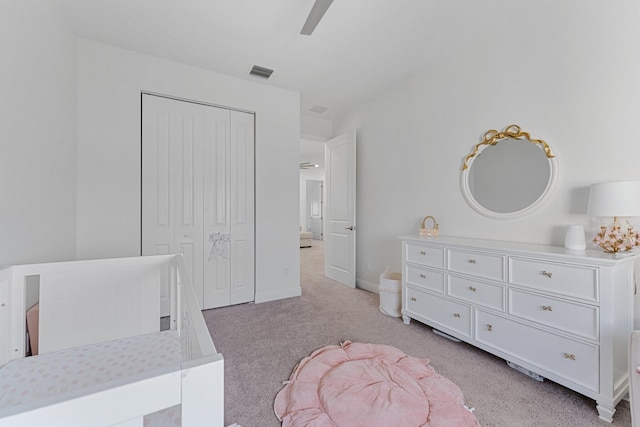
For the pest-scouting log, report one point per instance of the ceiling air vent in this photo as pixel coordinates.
(261, 71)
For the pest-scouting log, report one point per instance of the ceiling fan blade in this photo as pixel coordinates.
(317, 12)
(307, 165)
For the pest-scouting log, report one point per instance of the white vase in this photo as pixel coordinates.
(574, 238)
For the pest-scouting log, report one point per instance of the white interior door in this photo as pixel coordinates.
(242, 210)
(340, 209)
(314, 208)
(229, 262)
(172, 141)
(217, 224)
(188, 195)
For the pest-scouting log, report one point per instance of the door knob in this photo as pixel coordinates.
(350, 228)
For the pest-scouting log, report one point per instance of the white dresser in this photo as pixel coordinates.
(564, 315)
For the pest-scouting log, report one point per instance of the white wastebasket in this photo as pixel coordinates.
(390, 289)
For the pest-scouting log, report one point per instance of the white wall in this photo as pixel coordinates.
(110, 81)
(37, 134)
(315, 128)
(567, 72)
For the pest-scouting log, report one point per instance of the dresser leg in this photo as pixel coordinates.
(406, 319)
(605, 412)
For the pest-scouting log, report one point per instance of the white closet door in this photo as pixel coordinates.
(229, 208)
(198, 196)
(158, 191)
(172, 140)
(188, 179)
(242, 207)
(217, 223)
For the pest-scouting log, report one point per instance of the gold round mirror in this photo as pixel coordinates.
(508, 174)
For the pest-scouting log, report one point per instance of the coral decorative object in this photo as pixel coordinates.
(615, 240)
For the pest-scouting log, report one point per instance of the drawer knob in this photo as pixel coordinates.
(547, 308)
(423, 276)
(456, 314)
(472, 289)
(489, 327)
(413, 299)
(546, 273)
(569, 356)
(423, 253)
(472, 261)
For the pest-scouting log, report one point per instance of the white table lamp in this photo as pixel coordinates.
(615, 199)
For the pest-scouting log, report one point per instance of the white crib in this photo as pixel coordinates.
(104, 359)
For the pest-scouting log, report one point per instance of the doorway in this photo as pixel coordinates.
(311, 206)
(331, 164)
(314, 208)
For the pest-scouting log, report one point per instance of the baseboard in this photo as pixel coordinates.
(276, 295)
(297, 291)
(367, 286)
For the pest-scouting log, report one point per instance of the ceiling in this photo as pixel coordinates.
(360, 47)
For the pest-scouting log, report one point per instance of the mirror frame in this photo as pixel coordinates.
(491, 138)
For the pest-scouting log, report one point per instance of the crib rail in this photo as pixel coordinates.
(194, 334)
(5, 330)
(202, 365)
(89, 302)
(83, 302)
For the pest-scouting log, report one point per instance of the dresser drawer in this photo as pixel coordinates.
(477, 264)
(425, 278)
(575, 318)
(572, 280)
(439, 311)
(573, 360)
(425, 255)
(485, 294)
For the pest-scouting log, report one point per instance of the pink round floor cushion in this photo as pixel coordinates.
(357, 384)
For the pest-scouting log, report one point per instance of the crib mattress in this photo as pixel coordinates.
(52, 377)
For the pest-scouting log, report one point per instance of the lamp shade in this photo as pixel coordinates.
(619, 198)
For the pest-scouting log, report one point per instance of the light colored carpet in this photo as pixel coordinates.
(262, 343)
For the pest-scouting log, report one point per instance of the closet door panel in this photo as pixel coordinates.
(216, 157)
(242, 285)
(157, 191)
(240, 185)
(198, 196)
(242, 207)
(217, 227)
(188, 167)
(189, 191)
(159, 159)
